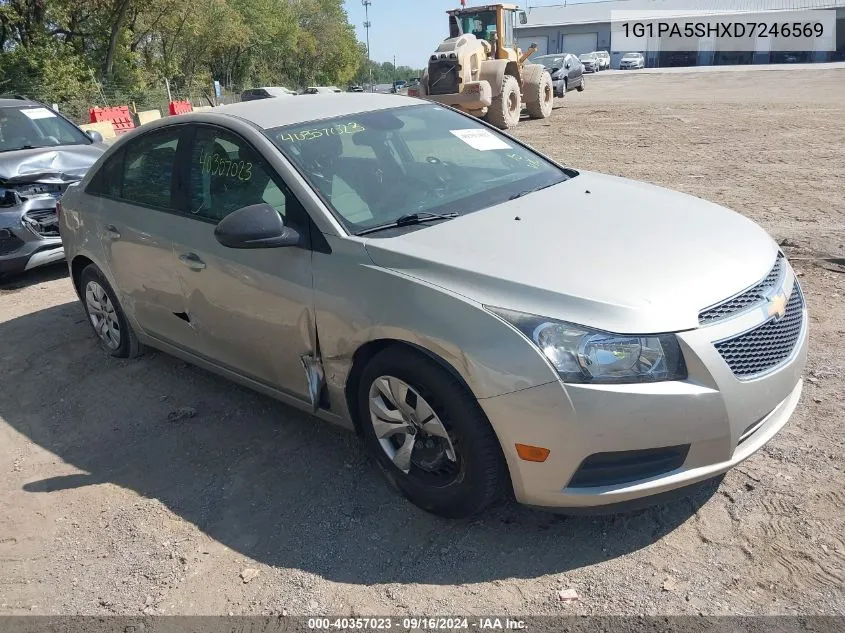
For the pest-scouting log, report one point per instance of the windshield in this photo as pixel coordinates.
(631, 56)
(587, 56)
(550, 61)
(375, 167)
(36, 126)
(482, 24)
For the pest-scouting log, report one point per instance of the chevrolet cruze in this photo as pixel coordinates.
(489, 321)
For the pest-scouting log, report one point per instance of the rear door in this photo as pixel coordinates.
(136, 200)
(252, 309)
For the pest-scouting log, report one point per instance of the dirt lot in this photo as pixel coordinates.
(108, 507)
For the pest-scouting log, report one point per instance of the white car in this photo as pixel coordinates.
(604, 59)
(319, 90)
(632, 60)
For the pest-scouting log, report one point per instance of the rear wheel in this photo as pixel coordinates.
(540, 97)
(105, 316)
(506, 107)
(429, 435)
(582, 85)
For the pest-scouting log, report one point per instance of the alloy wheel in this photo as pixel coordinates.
(102, 314)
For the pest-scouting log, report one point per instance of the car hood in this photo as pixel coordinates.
(66, 163)
(607, 252)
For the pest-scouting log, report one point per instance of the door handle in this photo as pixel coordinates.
(192, 261)
(112, 232)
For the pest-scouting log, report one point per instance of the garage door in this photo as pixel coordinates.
(542, 42)
(579, 43)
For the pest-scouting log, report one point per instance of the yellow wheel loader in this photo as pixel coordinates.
(479, 69)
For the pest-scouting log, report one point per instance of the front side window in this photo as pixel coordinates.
(373, 168)
(226, 174)
(36, 126)
(148, 164)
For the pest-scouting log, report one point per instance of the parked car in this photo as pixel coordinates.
(566, 70)
(318, 90)
(402, 292)
(604, 59)
(356, 88)
(267, 92)
(590, 62)
(398, 86)
(632, 60)
(41, 153)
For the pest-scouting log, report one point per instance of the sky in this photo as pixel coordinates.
(410, 29)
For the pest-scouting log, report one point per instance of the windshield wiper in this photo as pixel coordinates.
(527, 191)
(15, 149)
(408, 220)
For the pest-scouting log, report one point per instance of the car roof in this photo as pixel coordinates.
(14, 102)
(270, 113)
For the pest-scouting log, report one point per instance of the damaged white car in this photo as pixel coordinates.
(41, 154)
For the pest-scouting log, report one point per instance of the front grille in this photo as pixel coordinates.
(745, 300)
(43, 222)
(620, 467)
(767, 346)
(442, 78)
(9, 242)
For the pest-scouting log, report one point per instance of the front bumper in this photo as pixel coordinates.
(476, 95)
(719, 419)
(26, 243)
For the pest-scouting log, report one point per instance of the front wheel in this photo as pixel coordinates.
(507, 106)
(582, 85)
(429, 435)
(540, 97)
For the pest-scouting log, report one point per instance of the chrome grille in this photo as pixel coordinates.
(767, 346)
(743, 301)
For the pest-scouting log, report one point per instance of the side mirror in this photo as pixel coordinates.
(523, 17)
(255, 226)
(94, 135)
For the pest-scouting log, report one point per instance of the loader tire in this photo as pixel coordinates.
(507, 106)
(540, 96)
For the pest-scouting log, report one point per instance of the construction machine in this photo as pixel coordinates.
(480, 70)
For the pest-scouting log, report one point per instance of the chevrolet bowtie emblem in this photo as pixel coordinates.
(777, 305)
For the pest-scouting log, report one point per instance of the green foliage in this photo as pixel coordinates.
(384, 73)
(80, 53)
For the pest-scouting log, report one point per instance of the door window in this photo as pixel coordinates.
(148, 169)
(227, 174)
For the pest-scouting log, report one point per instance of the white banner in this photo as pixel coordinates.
(725, 31)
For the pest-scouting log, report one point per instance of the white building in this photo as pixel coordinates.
(583, 27)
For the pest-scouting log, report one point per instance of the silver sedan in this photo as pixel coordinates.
(489, 321)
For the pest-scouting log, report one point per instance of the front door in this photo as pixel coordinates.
(252, 309)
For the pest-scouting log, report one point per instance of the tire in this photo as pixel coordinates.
(582, 85)
(95, 289)
(452, 488)
(507, 106)
(540, 97)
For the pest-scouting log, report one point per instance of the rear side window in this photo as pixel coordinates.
(106, 181)
(147, 174)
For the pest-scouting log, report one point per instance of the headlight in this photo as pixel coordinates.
(584, 355)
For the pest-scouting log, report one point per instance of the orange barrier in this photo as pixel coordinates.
(180, 107)
(118, 116)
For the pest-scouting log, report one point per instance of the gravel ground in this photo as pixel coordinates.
(249, 507)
